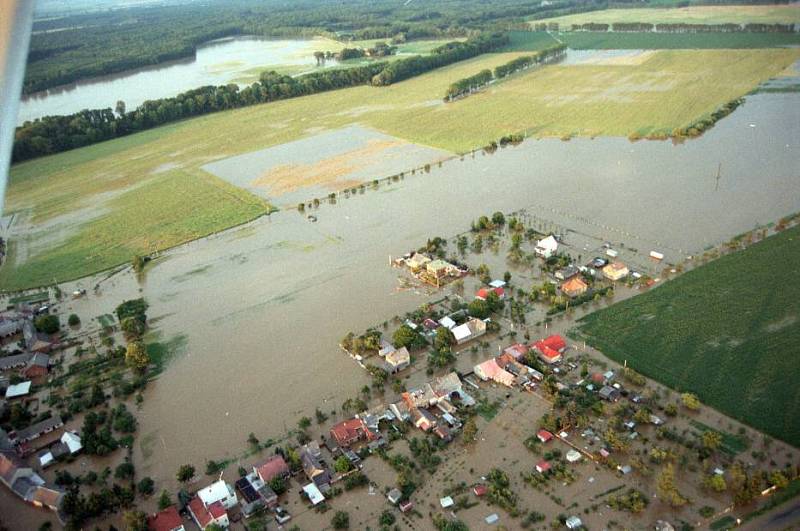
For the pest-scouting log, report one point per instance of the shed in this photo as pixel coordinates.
(314, 494)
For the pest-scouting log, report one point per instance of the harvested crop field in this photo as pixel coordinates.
(764, 14)
(313, 166)
(727, 331)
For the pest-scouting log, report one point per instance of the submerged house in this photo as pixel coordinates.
(397, 360)
(468, 331)
(574, 287)
(615, 271)
(546, 247)
(349, 432)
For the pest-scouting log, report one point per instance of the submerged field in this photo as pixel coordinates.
(71, 205)
(727, 331)
(764, 14)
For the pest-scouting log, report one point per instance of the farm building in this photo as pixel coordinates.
(615, 271)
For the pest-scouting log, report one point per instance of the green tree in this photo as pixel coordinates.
(387, 518)
(164, 500)
(304, 423)
(715, 482)
(132, 327)
(470, 433)
(185, 473)
(341, 520)
(74, 320)
(47, 324)
(124, 470)
(711, 439)
(444, 339)
(135, 520)
(146, 486)
(407, 337)
(498, 219)
(666, 488)
(136, 355)
(690, 401)
(278, 485)
(342, 464)
(479, 309)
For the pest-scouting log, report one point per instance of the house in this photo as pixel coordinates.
(609, 393)
(314, 494)
(349, 432)
(490, 370)
(34, 341)
(479, 490)
(406, 506)
(10, 328)
(45, 497)
(385, 348)
(542, 466)
(34, 431)
(37, 367)
(394, 496)
(574, 287)
(218, 491)
(447, 322)
(18, 390)
(423, 419)
(417, 261)
(16, 361)
(544, 436)
(445, 386)
(273, 467)
(446, 502)
(205, 516)
(509, 364)
(573, 456)
(397, 360)
(567, 272)
(313, 469)
(443, 433)
(439, 268)
(166, 520)
(546, 247)
(27, 484)
(72, 441)
(400, 410)
(497, 283)
(483, 293)
(468, 331)
(615, 271)
(573, 522)
(517, 351)
(550, 348)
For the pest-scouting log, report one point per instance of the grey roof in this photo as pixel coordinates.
(12, 362)
(9, 328)
(35, 430)
(40, 360)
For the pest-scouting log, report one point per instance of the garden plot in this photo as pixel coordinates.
(319, 164)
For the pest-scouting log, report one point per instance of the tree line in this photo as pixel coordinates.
(54, 134)
(685, 27)
(468, 84)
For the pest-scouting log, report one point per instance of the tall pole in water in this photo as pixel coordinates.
(719, 174)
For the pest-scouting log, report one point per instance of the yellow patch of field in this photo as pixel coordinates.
(765, 14)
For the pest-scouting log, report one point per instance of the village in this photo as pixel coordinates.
(483, 410)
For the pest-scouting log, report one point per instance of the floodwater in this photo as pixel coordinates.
(262, 307)
(215, 63)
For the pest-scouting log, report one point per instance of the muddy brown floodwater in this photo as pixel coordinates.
(262, 307)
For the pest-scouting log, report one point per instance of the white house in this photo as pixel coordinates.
(546, 247)
(218, 492)
(468, 331)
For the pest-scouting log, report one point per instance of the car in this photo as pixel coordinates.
(282, 515)
(598, 262)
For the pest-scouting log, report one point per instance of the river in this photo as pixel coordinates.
(215, 63)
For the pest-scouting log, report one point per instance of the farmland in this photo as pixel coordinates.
(725, 331)
(86, 192)
(764, 14)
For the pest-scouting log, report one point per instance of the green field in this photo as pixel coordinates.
(529, 41)
(91, 195)
(736, 14)
(727, 331)
(585, 40)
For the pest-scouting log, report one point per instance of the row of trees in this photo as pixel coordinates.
(468, 84)
(54, 134)
(680, 27)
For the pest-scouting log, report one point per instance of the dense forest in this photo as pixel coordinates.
(53, 134)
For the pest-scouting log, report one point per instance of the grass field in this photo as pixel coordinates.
(766, 14)
(88, 193)
(583, 40)
(728, 331)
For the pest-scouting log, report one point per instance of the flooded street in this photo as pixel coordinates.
(215, 63)
(262, 307)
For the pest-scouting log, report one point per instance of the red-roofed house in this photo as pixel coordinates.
(479, 490)
(205, 516)
(544, 436)
(542, 466)
(555, 342)
(547, 354)
(166, 520)
(574, 287)
(349, 432)
(273, 467)
(483, 293)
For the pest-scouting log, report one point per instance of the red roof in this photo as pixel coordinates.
(272, 467)
(543, 466)
(544, 435)
(598, 377)
(200, 512)
(546, 351)
(165, 520)
(517, 350)
(479, 490)
(349, 431)
(482, 293)
(217, 510)
(555, 342)
(500, 292)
